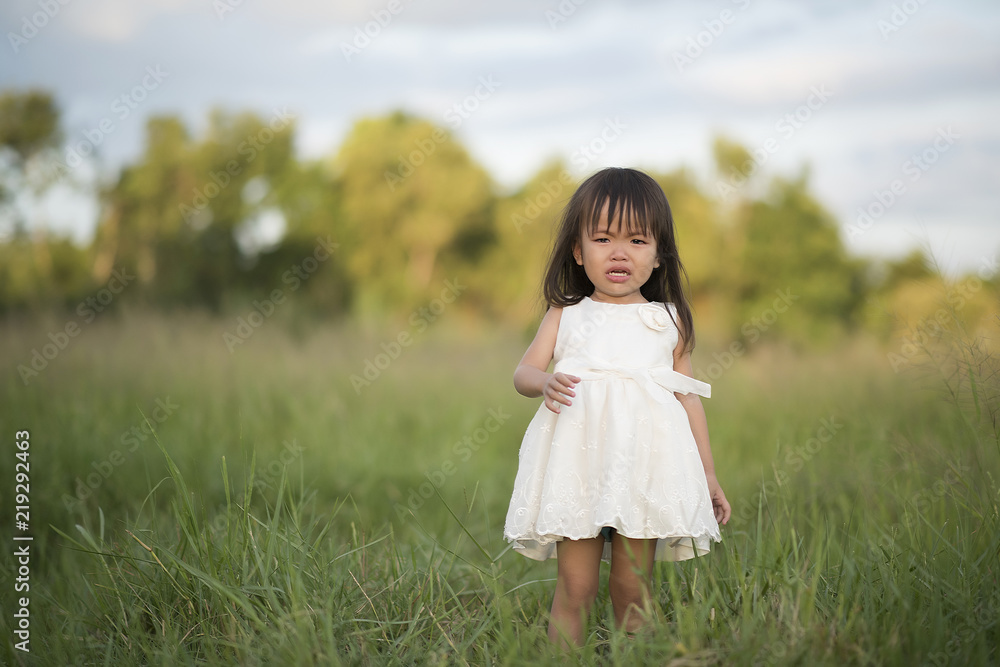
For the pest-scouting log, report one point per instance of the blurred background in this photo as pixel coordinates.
(204, 147)
(307, 238)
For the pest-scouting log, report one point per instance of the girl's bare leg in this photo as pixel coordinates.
(579, 563)
(631, 573)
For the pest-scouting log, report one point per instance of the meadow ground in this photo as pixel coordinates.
(285, 514)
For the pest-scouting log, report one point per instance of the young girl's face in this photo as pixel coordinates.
(617, 262)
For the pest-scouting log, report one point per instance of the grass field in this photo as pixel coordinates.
(284, 515)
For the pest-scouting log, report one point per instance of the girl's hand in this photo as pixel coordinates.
(556, 390)
(719, 503)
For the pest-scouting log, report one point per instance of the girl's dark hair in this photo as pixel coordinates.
(635, 200)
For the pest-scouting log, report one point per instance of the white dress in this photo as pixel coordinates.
(622, 455)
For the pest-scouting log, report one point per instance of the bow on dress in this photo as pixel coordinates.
(653, 379)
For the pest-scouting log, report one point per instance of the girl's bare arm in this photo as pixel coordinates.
(699, 428)
(532, 378)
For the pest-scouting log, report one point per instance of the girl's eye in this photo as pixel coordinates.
(638, 241)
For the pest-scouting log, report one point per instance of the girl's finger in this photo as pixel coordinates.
(561, 388)
(568, 386)
(557, 397)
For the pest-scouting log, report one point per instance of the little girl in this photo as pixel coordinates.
(616, 464)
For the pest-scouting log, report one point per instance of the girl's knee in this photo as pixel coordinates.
(579, 568)
(580, 590)
(628, 586)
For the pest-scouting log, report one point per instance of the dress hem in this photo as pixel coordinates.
(668, 547)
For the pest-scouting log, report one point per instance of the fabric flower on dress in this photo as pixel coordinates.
(654, 316)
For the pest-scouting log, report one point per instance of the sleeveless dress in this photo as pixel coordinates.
(622, 455)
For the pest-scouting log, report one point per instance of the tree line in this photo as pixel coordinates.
(234, 217)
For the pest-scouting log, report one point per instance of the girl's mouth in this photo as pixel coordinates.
(617, 275)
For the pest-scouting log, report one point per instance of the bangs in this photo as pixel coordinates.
(628, 204)
(633, 203)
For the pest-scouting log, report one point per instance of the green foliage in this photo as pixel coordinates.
(175, 216)
(29, 135)
(408, 209)
(36, 274)
(701, 239)
(410, 194)
(732, 159)
(915, 266)
(792, 248)
(525, 221)
(29, 122)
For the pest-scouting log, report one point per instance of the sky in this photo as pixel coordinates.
(892, 106)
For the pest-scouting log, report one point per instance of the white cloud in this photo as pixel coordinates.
(120, 21)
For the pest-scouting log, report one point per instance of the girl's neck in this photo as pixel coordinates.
(621, 303)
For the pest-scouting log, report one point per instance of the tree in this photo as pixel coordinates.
(524, 226)
(29, 133)
(34, 268)
(410, 193)
(738, 171)
(140, 209)
(174, 217)
(700, 239)
(795, 276)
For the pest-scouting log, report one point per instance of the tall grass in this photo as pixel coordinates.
(215, 542)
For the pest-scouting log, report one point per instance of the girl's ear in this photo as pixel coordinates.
(577, 255)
